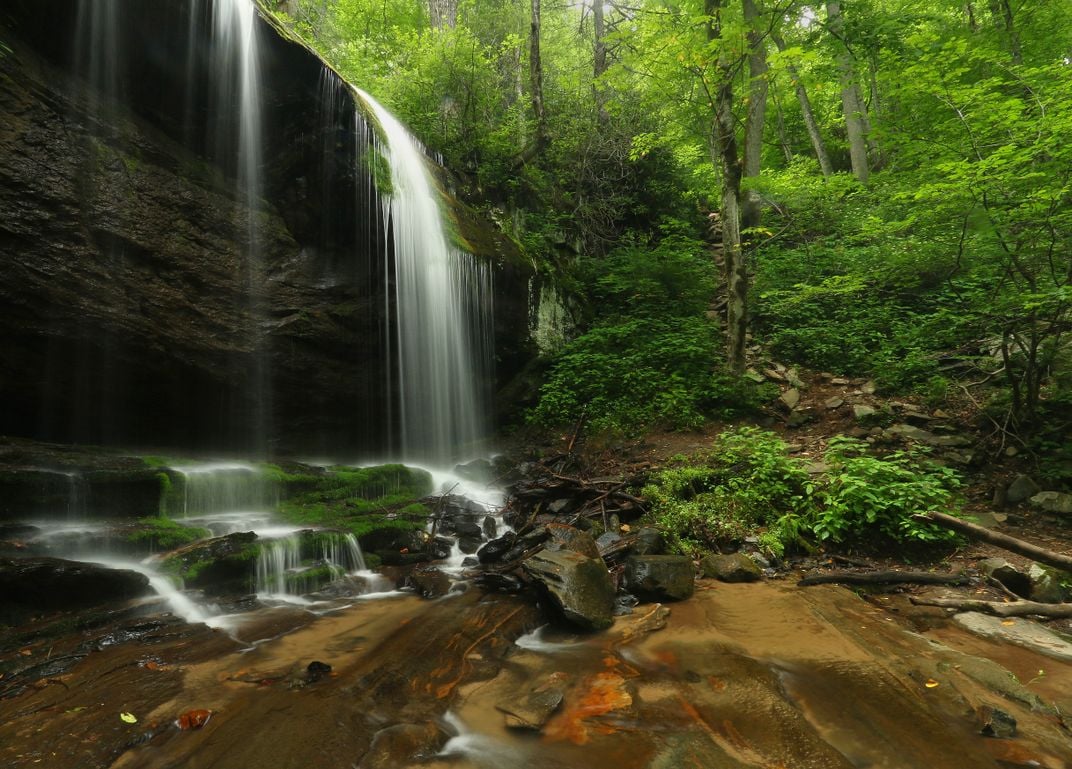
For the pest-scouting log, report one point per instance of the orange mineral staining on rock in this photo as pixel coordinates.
(596, 696)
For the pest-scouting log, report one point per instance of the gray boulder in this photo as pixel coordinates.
(1052, 502)
(660, 577)
(580, 588)
(736, 567)
(1021, 489)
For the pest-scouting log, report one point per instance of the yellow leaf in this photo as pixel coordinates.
(930, 683)
(129, 718)
(1007, 622)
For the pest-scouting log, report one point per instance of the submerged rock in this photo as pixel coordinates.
(736, 567)
(402, 745)
(532, 710)
(579, 588)
(660, 577)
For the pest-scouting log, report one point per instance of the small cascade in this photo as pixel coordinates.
(441, 302)
(301, 563)
(77, 496)
(224, 488)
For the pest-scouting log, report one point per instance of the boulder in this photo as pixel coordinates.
(790, 398)
(218, 565)
(1007, 574)
(31, 586)
(736, 567)
(863, 412)
(580, 588)
(919, 435)
(403, 745)
(1052, 502)
(1022, 488)
(834, 403)
(532, 710)
(660, 577)
(1046, 584)
(565, 537)
(649, 541)
(489, 528)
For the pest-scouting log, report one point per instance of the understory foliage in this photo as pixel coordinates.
(748, 485)
(650, 353)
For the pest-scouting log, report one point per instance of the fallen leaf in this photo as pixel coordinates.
(930, 683)
(1008, 622)
(194, 719)
(129, 718)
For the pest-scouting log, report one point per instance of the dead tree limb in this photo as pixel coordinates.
(1013, 545)
(998, 608)
(883, 578)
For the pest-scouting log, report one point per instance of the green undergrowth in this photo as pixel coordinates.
(358, 500)
(748, 485)
(163, 533)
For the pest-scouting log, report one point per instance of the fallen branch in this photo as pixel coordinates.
(883, 578)
(1013, 545)
(998, 608)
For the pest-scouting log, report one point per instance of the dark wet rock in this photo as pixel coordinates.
(489, 527)
(649, 541)
(469, 545)
(1022, 488)
(470, 529)
(624, 603)
(495, 550)
(316, 670)
(558, 507)
(219, 565)
(440, 548)
(660, 577)
(429, 582)
(579, 588)
(736, 567)
(402, 745)
(995, 723)
(500, 583)
(32, 586)
(606, 539)
(532, 710)
(513, 518)
(470, 561)
(563, 537)
(392, 558)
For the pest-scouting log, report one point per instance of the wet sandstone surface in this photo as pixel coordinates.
(752, 675)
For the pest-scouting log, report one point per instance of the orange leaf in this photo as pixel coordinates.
(194, 719)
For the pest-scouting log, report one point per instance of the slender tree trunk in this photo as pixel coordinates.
(1003, 20)
(851, 103)
(810, 122)
(599, 59)
(969, 11)
(783, 138)
(725, 155)
(536, 77)
(757, 112)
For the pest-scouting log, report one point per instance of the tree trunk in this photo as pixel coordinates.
(1003, 19)
(536, 77)
(725, 151)
(783, 139)
(443, 13)
(851, 103)
(1013, 545)
(599, 59)
(757, 112)
(810, 122)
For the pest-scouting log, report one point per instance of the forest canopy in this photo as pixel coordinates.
(870, 187)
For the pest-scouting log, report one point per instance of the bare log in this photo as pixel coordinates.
(883, 578)
(1013, 545)
(998, 608)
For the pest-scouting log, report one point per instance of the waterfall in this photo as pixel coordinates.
(302, 562)
(224, 488)
(237, 85)
(441, 302)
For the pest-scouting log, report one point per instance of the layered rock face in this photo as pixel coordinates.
(130, 308)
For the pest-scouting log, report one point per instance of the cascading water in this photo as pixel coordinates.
(222, 488)
(442, 305)
(285, 568)
(236, 61)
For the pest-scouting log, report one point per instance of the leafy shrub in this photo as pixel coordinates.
(747, 480)
(864, 497)
(748, 485)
